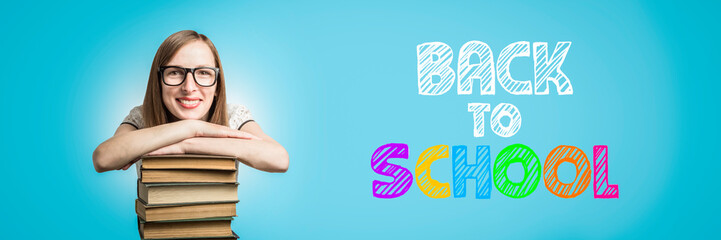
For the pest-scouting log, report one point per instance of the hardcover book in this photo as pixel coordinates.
(189, 161)
(187, 176)
(211, 228)
(182, 212)
(156, 194)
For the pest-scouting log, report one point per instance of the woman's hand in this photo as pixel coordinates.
(129, 164)
(206, 129)
(175, 148)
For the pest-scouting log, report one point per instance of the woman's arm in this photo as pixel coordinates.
(262, 153)
(128, 144)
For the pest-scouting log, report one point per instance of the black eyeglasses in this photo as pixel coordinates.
(174, 75)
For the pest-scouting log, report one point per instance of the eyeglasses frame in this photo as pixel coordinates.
(185, 76)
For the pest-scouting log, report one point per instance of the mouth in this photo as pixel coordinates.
(188, 103)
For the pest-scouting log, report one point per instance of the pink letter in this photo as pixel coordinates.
(600, 176)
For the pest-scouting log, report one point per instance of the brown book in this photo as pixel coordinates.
(187, 176)
(201, 228)
(189, 161)
(156, 194)
(183, 212)
(234, 237)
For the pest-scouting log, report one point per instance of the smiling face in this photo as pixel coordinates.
(190, 100)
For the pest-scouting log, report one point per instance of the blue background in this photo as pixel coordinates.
(332, 81)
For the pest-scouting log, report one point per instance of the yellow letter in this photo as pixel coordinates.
(431, 187)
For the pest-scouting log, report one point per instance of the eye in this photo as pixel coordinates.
(205, 72)
(173, 73)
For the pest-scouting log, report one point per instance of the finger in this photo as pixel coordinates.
(242, 135)
(225, 132)
(217, 131)
(245, 135)
(159, 151)
(170, 149)
(253, 137)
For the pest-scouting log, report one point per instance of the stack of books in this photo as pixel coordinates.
(187, 197)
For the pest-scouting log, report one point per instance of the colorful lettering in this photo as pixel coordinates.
(402, 177)
(428, 185)
(600, 179)
(481, 171)
(571, 155)
(517, 153)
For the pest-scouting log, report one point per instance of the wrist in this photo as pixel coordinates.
(192, 128)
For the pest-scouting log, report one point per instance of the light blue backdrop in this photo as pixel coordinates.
(332, 81)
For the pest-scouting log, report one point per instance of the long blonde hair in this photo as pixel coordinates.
(154, 111)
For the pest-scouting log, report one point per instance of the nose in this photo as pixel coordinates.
(189, 85)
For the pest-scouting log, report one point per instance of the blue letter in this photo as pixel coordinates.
(481, 171)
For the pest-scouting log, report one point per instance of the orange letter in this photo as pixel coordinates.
(572, 155)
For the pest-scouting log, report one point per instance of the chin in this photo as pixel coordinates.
(195, 114)
(191, 116)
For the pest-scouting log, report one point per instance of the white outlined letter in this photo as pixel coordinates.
(484, 71)
(513, 50)
(545, 70)
(428, 67)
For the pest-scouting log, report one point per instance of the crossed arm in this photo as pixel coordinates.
(250, 145)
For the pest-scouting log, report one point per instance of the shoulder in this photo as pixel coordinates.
(135, 117)
(238, 115)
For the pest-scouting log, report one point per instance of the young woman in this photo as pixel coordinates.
(184, 111)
